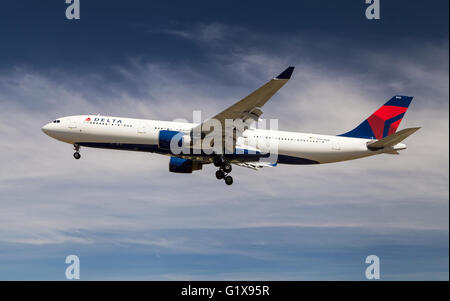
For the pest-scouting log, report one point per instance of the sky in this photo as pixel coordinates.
(128, 218)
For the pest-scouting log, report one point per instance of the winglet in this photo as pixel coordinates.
(286, 74)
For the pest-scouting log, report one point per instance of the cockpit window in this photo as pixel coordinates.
(56, 121)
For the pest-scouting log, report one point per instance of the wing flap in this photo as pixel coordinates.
(256, 165)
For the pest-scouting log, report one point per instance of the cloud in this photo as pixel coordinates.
(210, 34)
(263, 253)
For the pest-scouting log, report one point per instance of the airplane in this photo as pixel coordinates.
(249, 146)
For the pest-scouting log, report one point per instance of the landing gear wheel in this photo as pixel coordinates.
(217, 161)
(228, 180)
(77, 155)
(227, 167)
(220, 174)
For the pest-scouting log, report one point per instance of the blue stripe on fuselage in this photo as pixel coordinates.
(283, 159)
(241, 154)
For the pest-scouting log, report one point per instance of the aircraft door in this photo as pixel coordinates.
(141, 129)
(336, 146)
(72, 124)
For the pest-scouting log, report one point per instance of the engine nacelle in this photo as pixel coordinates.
(181, 165)
(167, 137)
(178, 140)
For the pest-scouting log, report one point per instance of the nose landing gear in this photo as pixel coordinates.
(224, 170)
(76, 148)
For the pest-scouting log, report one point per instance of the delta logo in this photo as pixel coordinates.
(100, 119)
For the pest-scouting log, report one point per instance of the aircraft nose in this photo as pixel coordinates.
(46, 128)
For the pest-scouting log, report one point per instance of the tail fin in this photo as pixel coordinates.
(384, 121)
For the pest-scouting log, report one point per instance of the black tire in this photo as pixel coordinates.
(228, 180)
(220, 174)
(77, 155)
(217, 161)
(227, 167)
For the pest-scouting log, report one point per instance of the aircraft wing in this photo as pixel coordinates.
(247, 109)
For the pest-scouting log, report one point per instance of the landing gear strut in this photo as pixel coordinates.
(224, 169)
(218, 161)
(76, 148)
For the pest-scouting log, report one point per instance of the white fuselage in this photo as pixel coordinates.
(142, 135)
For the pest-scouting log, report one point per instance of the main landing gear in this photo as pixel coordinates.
(76, 148)
(224, 169)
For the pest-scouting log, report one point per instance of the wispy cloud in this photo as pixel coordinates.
(205, 34)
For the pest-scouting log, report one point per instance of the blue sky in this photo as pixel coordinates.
(127, 217)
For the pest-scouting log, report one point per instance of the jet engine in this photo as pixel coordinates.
(173, 141)
(180, 165)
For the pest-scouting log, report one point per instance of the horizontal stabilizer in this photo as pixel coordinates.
(392, 140)
(394, 152)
